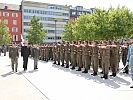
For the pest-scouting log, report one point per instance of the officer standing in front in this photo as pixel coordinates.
(14, 54)
(25, 52)
(130, 57)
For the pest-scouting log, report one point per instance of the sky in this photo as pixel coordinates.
(85, 3)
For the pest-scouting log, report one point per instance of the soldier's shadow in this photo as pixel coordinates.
(7, 74)
(112, 82)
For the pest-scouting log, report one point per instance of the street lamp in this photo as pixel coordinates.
(55, 29)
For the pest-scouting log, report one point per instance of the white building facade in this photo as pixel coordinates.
(53, 17)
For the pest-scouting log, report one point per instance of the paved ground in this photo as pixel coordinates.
(14, 86)
(58, 83)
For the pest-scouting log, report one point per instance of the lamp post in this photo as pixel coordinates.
(55, 29)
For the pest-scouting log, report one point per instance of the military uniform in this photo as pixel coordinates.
(124, 53)
(35, 56)
(114, 58)
(54, 53)
(95, 60)
(58, 54)
(4, 50)
(73, 56)
(0, 50)
(62, 54)
(79, 57)
(14, 54)
(50, 53)
(85, 55)
(67, 55)
(105, 54)
(47, 53)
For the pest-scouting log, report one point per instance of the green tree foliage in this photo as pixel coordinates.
(67, 33)
(102, 24)
(5, 36)
(36, 33)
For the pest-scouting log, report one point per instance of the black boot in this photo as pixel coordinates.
(105, 76)
(67, 66)
(85, 71)
(101, 72)
(54, 63)
(94, 74)
(131, 86)
(79, 69)
(126, 71)
(62, 65)
(58, 63)
(72, 68)
(114, 74)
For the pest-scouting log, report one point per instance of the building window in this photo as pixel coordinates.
(14, 22)
(24, 30)
(51, 7)
(15, 38)
(14, 15)
(51, 38)
(58, 38)
(65, 14)
(5, 14)
(26, 23)
(5, 21)
(51, 31)
(74, 13)
(14, 29)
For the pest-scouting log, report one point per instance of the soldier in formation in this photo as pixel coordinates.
(86, 55)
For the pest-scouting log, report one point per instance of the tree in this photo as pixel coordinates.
(67, 33)
(5, 36)
(36, 33)
(103, 24)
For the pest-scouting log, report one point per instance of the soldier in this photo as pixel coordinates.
(95, 58)
(73, 54)
(4, 49)
(25, 52)
(67, 54)
(79, 56)
(31, 50)
(100, 57)
(90, 54)
(35, 52)
(14, 54)
(85, 52)
(114, 58)
(50, 52)
(124, 52)
(130, 57)
(105, 54)
(44, 52)
(0, 50)
(54, 52)
(62, 53)
(58, 53)
(47, 52)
